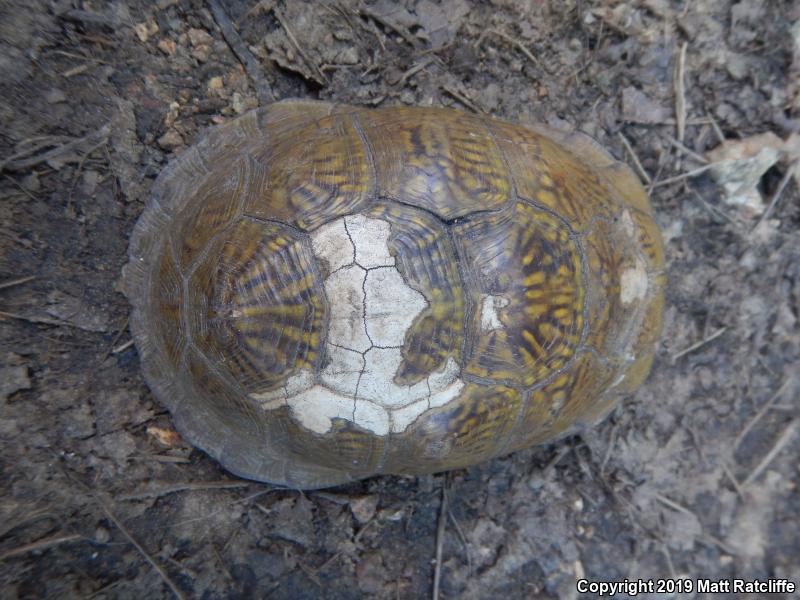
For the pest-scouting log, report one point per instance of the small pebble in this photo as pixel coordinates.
(54, 96)
(145, 30)
(199, 37)
(201, 53)
(167, 46)
(170, 140)
(102, 535)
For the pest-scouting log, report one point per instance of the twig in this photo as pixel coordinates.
(783, 439)
(688, 151)
(714, 210)
(80, 56)
(650, 187)
(242, 53)
(414, 69)
(461, 537)
(79, 170)
(122, 347)
(43, 320)
(762, 411)
(142, 551)
(310, 573)
(680, 93)
(514, 42)
(674, 505)
(40, 545)
(367, 12)
(437, 573)
(729, 474)
(612, 440)
(19, 162)
(333, 558)
(16, 282)
(712, 540)
(635, 158)
(19, 187)
(168, 458)
(297, 46)
(461, 98)
(93, 18)
(117, 337)
(776, 196)
(700, 344)
(687, 175)
(76, 70)
(717, 129)
(12, 522)
(163, 490)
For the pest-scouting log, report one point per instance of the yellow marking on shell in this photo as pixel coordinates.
(562, 299)
(286, 310)
(536, 310)
(528, 336)
(535, 278)
(562, 313)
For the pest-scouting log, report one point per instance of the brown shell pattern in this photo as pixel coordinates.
(322, 293)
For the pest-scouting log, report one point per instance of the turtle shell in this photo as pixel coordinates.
(322, 293)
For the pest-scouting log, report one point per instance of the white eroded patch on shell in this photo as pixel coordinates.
(342, 372)
(371, 308)
(444, 386)
(633, 283)
(490, 311)
(331, 245)
(306, 408)
(371, 238)
(377, 382)
(345, 292)
(391, 306)
(627, 224)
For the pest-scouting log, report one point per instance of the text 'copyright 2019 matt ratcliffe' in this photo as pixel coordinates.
(634, 587)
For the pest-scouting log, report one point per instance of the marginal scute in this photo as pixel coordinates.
(167, 300)
(469, 429)
(609, 254)
(553, 408)
(528, 257)
(648, 238)
(217, 203)
(254, 305)
(437, 160)
(215, 394)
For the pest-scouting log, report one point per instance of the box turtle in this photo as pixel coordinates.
(322, 293)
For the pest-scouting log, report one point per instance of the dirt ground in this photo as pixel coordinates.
(694, 477)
